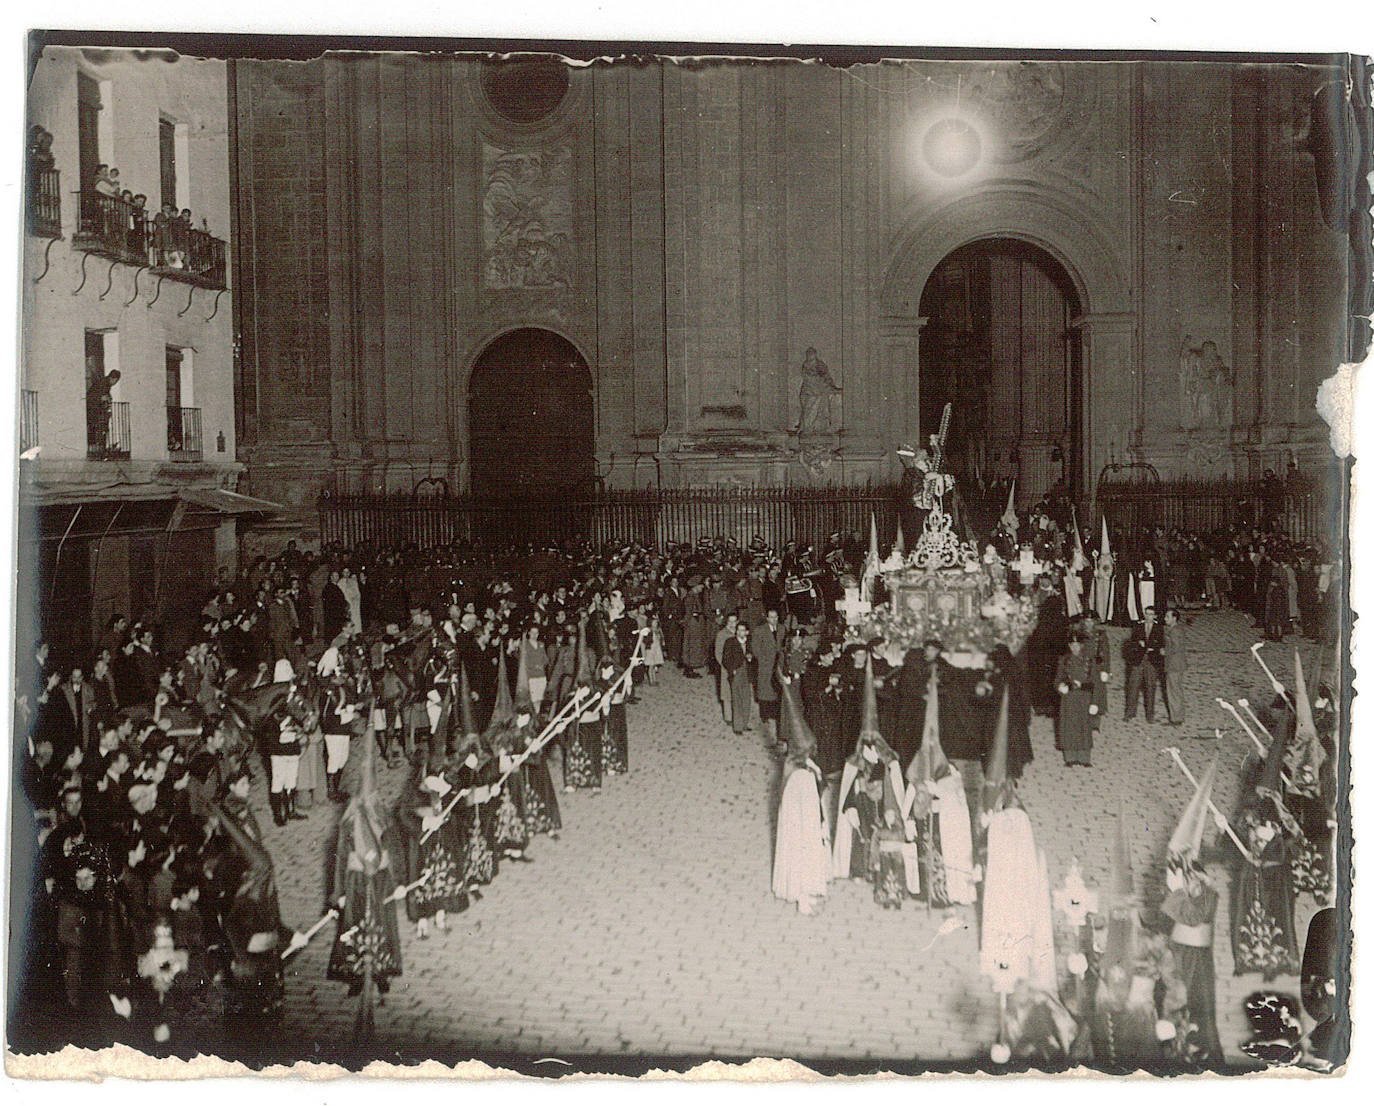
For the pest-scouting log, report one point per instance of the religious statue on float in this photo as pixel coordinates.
(943, 588)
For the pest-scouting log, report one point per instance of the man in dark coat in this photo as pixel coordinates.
(1144, 656)
(334, 609)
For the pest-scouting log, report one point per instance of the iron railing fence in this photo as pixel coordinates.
(652, 516)
(1306, 510)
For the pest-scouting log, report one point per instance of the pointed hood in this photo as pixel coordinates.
(996, 787)
(899, 542)
(503, 710)
(1009, 515)
(930, 762)
(800, 733)
(364, 822)
(465, 716)
(874, 556)
(367, 784)
(1186, 842)
(1307, 747)
(1123, 915)
(1106, 550)
(524, 701)
(935, 763)
(1079, 560)
(584, 675)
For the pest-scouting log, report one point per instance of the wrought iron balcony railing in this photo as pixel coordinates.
(184, 441)
(115, 228)
(107, 431)
(45, 202)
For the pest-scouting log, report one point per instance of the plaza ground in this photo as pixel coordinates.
(649, 927)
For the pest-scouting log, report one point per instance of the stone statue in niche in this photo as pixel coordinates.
(527, 218)
(1206, 387)
(816, 389)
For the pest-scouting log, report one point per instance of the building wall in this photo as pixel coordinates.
(59, 305)
(67, 291)
(722, 217)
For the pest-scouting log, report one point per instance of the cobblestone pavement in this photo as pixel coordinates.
(649, 927)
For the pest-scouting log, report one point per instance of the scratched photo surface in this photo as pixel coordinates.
(598, 559)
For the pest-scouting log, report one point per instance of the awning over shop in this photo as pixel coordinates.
(229, 503)
(51, 512)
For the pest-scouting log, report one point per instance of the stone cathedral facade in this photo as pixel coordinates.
(520, 273)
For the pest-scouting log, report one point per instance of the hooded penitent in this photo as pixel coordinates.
(998, 790)
(585, 673)
(503, 710)
(1306, 757)
(367, 945)
(1185, 845)
(937, 793)
(1017, 930)
(800, 737)
(1122, 906)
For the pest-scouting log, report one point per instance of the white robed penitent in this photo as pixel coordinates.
(801, 853)
(1018, 933)
(939, 788)
(1073, 578)
(1104, 579)
(801, 861)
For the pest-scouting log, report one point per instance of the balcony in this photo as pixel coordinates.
(45, 203)
(28, 420)
(114, 228)
(107, 431)
(184, 442)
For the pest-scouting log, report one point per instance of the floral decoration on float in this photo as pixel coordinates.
(944, 590)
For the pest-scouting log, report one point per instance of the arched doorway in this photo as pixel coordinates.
(531, 427)
(1001, 346)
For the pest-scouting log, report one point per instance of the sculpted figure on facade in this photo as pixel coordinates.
(817, 387)
(1206, 387)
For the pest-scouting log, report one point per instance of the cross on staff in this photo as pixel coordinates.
(938, 442)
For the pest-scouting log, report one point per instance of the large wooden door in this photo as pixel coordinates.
(530, 417)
